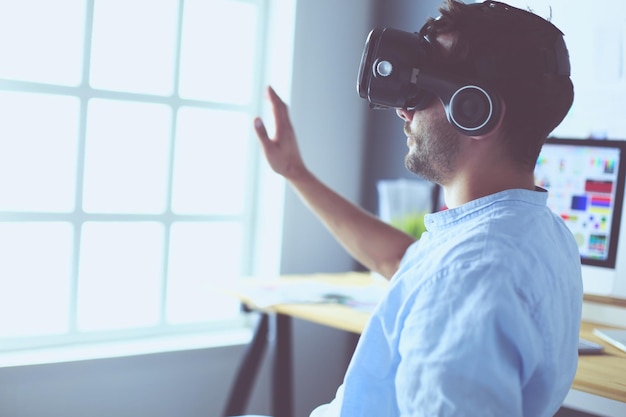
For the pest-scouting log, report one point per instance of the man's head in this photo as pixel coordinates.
(516, 54)
(481, 61)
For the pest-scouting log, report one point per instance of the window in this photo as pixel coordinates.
(130, 182)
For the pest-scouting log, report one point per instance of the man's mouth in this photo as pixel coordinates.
(407, 130)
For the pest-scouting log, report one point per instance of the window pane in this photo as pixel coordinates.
(35, 278)
(126, 157)
(120, 275)
(38, 147)
(42, 40)
(133, 49)
(218, 50)
(210, 161)
(202, 256)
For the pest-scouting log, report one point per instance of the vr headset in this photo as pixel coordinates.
(398, 71)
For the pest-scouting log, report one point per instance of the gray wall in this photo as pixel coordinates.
(384, 157)
(342, 142)
(330, 121)
(185, 384)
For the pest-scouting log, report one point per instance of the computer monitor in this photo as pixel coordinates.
(585, 181)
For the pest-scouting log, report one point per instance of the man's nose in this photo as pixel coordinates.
(405, 114)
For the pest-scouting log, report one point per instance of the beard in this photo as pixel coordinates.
(434, 152)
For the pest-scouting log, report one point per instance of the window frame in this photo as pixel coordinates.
(264, 190)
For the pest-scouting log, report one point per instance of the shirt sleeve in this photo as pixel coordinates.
(467, 346)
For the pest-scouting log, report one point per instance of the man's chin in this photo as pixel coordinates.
(409, 164)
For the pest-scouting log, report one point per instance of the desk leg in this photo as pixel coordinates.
(282, 384)
(246, 375)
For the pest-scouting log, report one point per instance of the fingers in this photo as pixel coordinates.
(274, 98)
(281, 119)
(260, 129)
(279, 109)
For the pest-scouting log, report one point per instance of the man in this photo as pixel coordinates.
(482, 314)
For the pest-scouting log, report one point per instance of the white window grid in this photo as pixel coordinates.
(78, 217)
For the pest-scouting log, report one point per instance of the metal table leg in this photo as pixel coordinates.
(282, 389)
(246, 375)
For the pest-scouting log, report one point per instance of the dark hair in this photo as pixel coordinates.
(505, 48)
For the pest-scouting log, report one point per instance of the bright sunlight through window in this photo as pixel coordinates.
(130, 179)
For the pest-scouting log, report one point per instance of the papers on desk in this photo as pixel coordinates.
(271, 293)
(613, 336)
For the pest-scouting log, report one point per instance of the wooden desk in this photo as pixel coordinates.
(601, 375)
(332, 315)
(604, 374)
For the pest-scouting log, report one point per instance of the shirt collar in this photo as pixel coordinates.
(442, 219)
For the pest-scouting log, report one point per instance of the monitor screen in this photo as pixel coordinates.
(585, 182)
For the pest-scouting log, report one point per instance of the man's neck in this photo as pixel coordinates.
(463, 190)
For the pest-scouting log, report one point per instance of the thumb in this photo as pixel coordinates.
(259, 128)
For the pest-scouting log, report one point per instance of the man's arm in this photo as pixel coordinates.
(375, 244)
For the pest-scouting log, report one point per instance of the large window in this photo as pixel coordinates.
(129, 173)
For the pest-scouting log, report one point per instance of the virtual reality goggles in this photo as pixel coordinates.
(398, 70)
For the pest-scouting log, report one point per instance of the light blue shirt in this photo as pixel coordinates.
(481, 319)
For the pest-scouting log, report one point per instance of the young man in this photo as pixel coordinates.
(482, 314)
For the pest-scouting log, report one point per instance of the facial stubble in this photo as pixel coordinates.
(434, 152)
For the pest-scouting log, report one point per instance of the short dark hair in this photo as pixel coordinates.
(512, 40)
